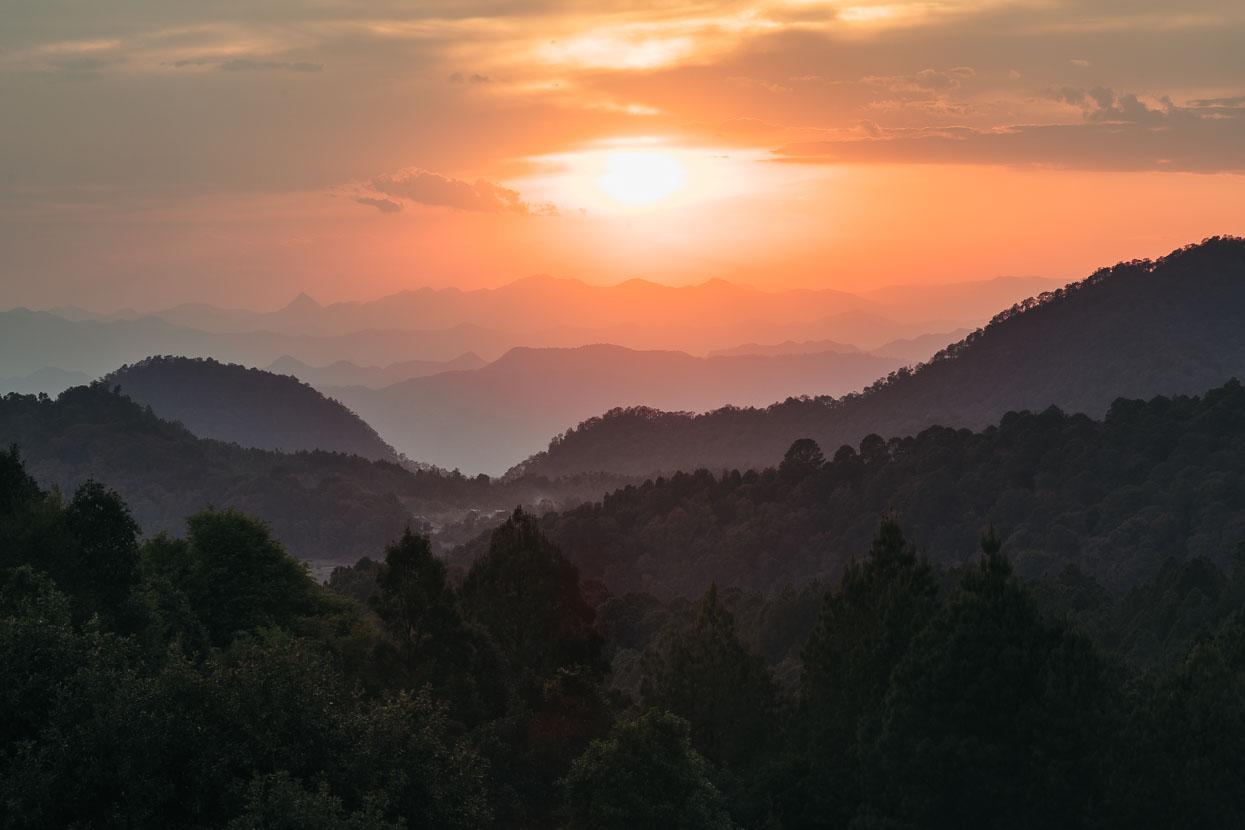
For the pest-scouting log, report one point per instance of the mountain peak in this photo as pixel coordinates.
(303, 302)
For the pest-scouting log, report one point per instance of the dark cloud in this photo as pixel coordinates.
(383, 205)
(460, 78)
(246, 65)
(1123, 135)
(1102, 104)
(428, 188)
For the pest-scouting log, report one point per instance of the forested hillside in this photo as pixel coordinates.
(250, 407)
(1175, 325)
(1116, 497)
(205, 681)
(321, 505)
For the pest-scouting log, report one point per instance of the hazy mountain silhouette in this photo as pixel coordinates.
(490, 418)
(1138, 329)
(345, 373)
(908, 350)
(968, 300)
(31, 340)
(542, 304)
(786, 347)
(249, 407)
(47, 381)
(922, 348)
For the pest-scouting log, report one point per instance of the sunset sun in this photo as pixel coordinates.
(641, 178)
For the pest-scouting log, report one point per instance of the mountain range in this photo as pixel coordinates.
(542, 303)
(493, 417)
(1175, 325)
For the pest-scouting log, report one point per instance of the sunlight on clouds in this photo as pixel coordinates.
(641, 174)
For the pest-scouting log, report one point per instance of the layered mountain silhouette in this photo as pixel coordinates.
(439, 325)
(490, 418)
(542, 303)
(248, 407)
(1138, 329)
(345, 373)
(324, 506)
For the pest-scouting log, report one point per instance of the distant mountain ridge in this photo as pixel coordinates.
(248, 407)
(542, 303)
(345, 373)
(490, 418)
(1142, 328)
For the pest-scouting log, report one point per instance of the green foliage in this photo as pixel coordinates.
(416, 605)
(702, 673)
(240, 578)
(645, 774)
(279, 802)
(866, 627)
(1116, 498)
(994, 717)
(527, 596)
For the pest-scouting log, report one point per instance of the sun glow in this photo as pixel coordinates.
(641, 177)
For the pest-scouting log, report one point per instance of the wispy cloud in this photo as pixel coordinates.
(427, 188)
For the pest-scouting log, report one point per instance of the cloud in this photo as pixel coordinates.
(246, 65)
(428, 188)
(460, 78)
(1118, 133)
(927, 80)
(381, 204)
(1102, 104)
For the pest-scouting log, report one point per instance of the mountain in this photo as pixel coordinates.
(530, 305)
(970, 300)
(922, 348)
(490, 418)
(542, 304)
(248, 407)
(786, 347)
(1138, 329)
(345, 373)
(46, 381)
(30, 340)
(1112, 498)
(323, 506)
(908, 350)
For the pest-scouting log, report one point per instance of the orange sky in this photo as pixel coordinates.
(237, 153)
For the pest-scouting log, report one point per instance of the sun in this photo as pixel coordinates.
(641, 177)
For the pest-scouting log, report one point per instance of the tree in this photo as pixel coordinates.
(994, 717)
(106, 566)
(702, 673)
(240, 578)
(527, 596)
(865, 627)
(415, 602)
(802, 458)
(644, 774)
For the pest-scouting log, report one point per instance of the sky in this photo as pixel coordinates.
(160, 151)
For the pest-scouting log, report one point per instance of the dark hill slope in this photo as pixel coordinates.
(249, 407)
(1115, 498)
(1171, 326)
(321, 505)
